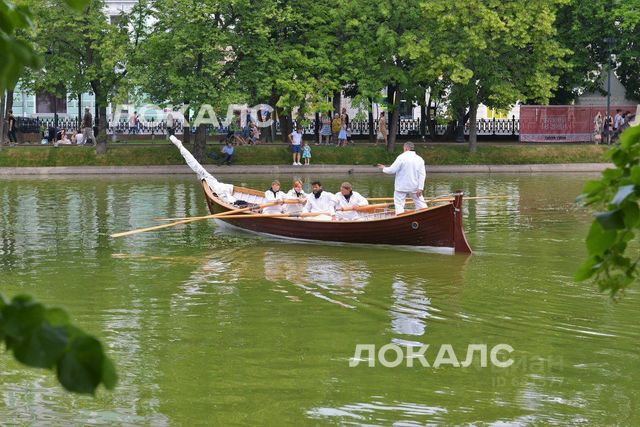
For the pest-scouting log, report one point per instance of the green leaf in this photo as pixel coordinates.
(631, 215)
(635, 174)
(622, 194)
(43, 348)
(80, 369)
(22, 317)
(599, 240)
(57, 317)
(611, 220)
(77, 4)
(109, 375)
(586, 270)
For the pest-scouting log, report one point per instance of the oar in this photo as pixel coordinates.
(188, 220)
(264, 205)
(235, 211)
(363, 208)
(282, 215)
(381, 199)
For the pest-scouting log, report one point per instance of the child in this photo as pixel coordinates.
(342, 136)
(306, 153)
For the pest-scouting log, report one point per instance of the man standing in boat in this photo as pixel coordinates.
(410, 175)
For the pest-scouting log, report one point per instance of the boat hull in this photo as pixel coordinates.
(439, 226)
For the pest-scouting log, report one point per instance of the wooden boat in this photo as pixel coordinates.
(435, 226)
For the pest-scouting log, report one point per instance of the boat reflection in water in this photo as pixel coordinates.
(320, 301)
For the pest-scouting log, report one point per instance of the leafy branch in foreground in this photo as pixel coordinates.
(614, 257)
(44, 337)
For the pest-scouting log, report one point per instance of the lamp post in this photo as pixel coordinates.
(609, 41)
(49, 52)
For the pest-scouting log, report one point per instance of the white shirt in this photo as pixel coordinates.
(270, 197)
(297, 207)
(169, 120)
(617, 121)
(326, 203)
(410, 172)
(79, 139)
(296, 137)
(356, 199)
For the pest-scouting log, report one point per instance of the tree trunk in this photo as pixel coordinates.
(473, 131)
(2, 120)
(186, 129)
(337, 102)
(286, 126)
(372, 124)
(461, 122)
(273, 100)
(200, 145)
(316, 128)
(101, 124)
(9, 102)
(7, 105)
(393, 92)
(79, 112)
(423, 116)
(100, 118)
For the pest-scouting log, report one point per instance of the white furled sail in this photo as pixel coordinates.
(224, 191)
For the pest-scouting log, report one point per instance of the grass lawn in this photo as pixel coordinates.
(165, 154)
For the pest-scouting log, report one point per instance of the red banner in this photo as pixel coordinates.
(568, 123)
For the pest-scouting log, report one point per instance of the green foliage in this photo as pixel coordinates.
(613, 253)
(583, 27)
(18, 53)
(44, 337)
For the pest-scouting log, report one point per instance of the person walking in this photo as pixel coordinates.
(325, 132)
(347, 125)
(170, 124)
(336, 125)
(87, 131)
(382, 129)
(410, 175)
(12, 128)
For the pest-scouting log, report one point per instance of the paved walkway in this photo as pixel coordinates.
(288, 169)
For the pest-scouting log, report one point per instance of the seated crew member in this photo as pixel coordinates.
(274, 194)
(320, 201)
(348, 199)
(295, 193)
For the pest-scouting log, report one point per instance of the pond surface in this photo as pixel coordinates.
(229, 329)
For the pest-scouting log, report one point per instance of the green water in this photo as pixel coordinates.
(208, 327)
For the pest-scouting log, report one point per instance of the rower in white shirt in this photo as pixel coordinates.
(410, 175)
(321, 201)
(295, 193)
(274, 194)
(349, 200)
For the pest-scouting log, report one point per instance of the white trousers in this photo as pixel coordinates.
(399, 198)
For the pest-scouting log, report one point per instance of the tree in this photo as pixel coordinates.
(613, 258)
(83, 51)
(374, 60)
(184, 56)
(493, 52)
(584, 27)
(39, 336)
(285, 55)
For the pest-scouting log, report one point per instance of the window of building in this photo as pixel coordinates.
(46, 103)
